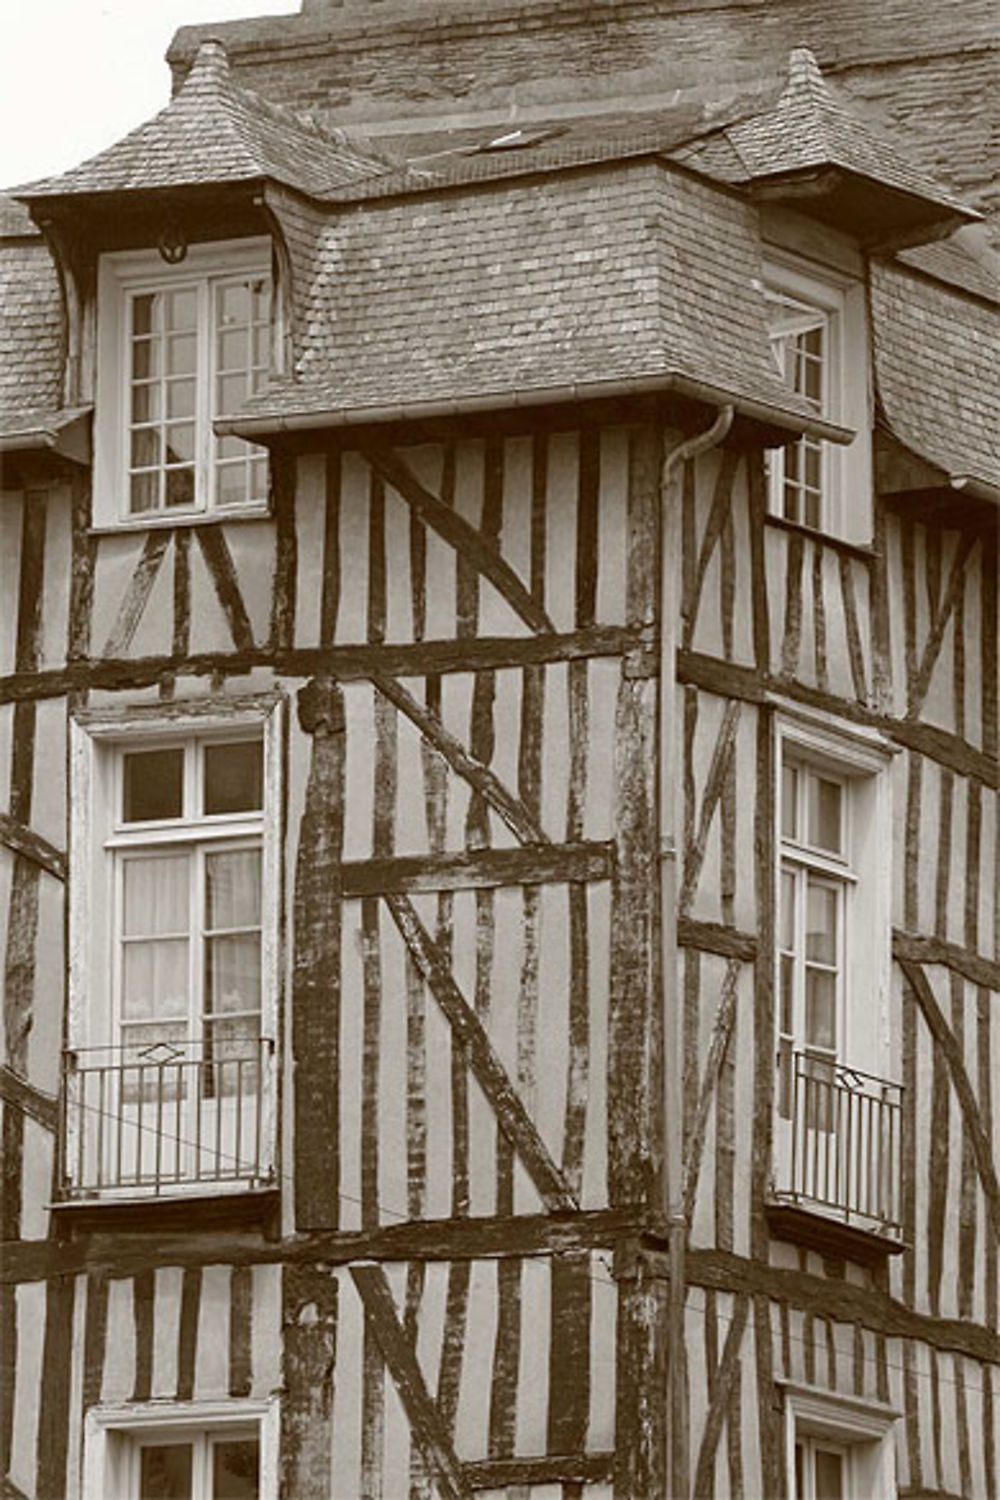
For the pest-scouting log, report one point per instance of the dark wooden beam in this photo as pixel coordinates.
(25, 841)
(479, 868)
(920, 949)
(458, 1239)
(43, 1108)
(349, 663)
(716, 937)
(512, 1117)
(426, 1427)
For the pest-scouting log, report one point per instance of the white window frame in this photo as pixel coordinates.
(120, 275)
(111, 1434)
(860, 762)
(863, 1430)
(97, 838)
(846, 472)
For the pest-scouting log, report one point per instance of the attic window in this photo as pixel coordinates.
(180, 346)
(817, 325)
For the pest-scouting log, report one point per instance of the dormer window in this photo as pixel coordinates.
(816, 320)
(180, 346)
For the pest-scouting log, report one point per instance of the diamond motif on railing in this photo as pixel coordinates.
(161, 1052)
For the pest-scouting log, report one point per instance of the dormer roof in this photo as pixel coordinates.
(215, 132)
(814, 149)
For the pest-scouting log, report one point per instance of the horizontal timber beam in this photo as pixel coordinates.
(430, 1239)
(622, 1229)
(552, 1468)
(351, 663)
(715, 937)
(729, 680)
(481, 868)
(919, 949)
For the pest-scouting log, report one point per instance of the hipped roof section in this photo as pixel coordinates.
(214, 132)
(586, 284)
(32, 417)
(936, 373)
(813, 129)
(454, 283)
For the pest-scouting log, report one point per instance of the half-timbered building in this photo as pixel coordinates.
(498, 766)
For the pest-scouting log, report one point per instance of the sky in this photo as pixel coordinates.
(79, 74)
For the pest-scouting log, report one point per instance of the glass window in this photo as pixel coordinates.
(805, 340)
(214, 1464)
(153, 785)
(198, 346)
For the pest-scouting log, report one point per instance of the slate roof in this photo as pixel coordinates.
(564, 284)
(30, 334)
(813, 125)
(215, 132)
(936, 371)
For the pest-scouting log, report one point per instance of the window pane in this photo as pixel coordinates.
(233, 349)
(180, 442)
(165, 1472)
(145, 358)
(145, 403)
(234, 777)
(144, 493)
(180, 487)
(821, 1009)
(234, 303)
(156, 896)
(155, 980)
(787, 992)
(821, 924)
(180, 398)
(813, 512)
(825, 814)
(182, 309)
(232, 889)
(235, 1470)
(231, 484)
(233, 1049)
(258, 479)
(181, 354)
(787, 911)
(142, 313)
(232, 974)
(230, 393)
(829, 1475)
(153, 784)
(145, 448)
(789, 793)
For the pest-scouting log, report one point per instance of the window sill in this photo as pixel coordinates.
(249, 1208)
(816, 1230)
(861, 550)
(182, 519)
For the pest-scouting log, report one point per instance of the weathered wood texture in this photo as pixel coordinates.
(472, 981)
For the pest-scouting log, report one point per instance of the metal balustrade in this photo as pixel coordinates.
(143, 1121)
(838, 1149)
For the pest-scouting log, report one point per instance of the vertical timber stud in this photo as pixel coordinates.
(640, 1420)
(309, 1323)
(316, 973)
(670, 816)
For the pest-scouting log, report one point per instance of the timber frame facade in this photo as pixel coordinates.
(528, 646)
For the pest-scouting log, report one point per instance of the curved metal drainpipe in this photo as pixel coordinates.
(673, 1033)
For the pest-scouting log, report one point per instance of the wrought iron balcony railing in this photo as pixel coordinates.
(838, 1142)
(166, 1118)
